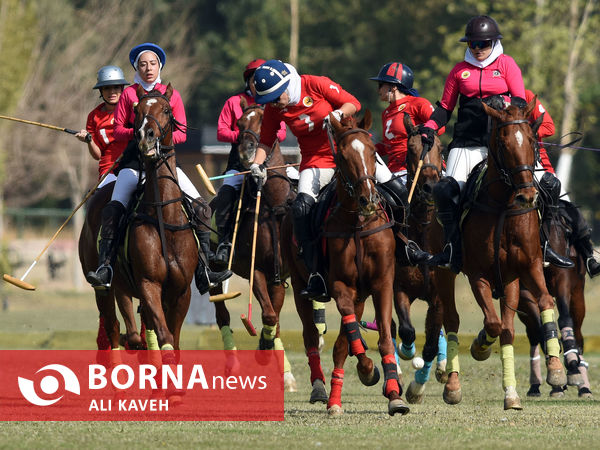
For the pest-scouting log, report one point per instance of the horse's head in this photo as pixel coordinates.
(355, 159)
(249, 125)
(511, 152)
(153, 123)
(431, 170)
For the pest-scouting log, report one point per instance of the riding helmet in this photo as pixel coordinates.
(481, 28)
(399, 74)
(135, 52)
(271, 80)
(251, 67)
(110, 76)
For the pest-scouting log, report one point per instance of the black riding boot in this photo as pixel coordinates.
(224, 217)
(586, 249)
(101, 279)
(407, 251)
(550, 187)
(205, 278)
(446, 195)
(316, 288)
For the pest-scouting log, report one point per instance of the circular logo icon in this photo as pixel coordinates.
(402, 106)
(466, 74)
(496, 73)
(307, 101)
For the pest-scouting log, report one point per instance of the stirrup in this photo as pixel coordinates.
(551, 257)
(316, 289)
(98, 281)
(415, 255)
(222, 253)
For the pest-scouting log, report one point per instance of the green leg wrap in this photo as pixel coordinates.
(287, 367)
(508, 366)
(151, 340)
(489, 341)
(167, 347)
(227, 336)
(453, 365)
(550, 333)
(269, 332)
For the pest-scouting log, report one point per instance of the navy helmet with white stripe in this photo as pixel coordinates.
(271, 80)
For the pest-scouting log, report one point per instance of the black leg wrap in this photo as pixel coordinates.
(550, 331)
(319, 315)
(390, 374)
(352, 331)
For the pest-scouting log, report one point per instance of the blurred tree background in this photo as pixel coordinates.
(51, 51)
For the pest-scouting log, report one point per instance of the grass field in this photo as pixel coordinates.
(68, 319)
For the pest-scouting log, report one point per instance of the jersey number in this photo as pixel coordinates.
(306, 119)
(387, 130)
(104, 136)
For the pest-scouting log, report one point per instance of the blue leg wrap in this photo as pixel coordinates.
(442, 347)
(409, 351)
(422, 375)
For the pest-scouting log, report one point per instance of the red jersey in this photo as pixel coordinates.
(319, 96)
(546, 128)
(101, 124)
(395, 137)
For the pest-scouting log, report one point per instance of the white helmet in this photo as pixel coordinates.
(110, 76)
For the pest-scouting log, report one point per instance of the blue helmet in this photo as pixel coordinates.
(399, 74)
(271, 80)
(135, 52)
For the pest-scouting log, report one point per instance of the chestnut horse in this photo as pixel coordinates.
(161, 246)
(360, 247)
(501, 248)
(567, 287)
(424, 282)
(270, 269)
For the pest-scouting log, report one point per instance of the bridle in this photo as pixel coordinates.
(168, 127)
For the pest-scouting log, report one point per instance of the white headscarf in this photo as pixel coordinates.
(497, 50)
(138, 79)
(295, 87)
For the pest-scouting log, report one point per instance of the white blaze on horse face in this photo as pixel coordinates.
(142, 128)
(250, 115)
(360, 148)
(519, 138)
(151, 102)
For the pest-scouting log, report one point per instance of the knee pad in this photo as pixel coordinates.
(446, 191)
(302, 205)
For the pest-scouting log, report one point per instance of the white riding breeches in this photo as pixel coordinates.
(383, 174)
(312, 180)
(461, 161)
(108, 179)
(128, 179)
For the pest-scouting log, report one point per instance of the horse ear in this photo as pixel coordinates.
(492, 112)
(530, 106)
(140, 91)
(169, 91)
(537, 123)
(366, 121)
(408, 124)
(243, 103)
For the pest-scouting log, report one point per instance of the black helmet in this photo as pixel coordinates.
(395, 73)
(481, 28)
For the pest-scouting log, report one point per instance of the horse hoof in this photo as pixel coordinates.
(511, 399)
(397, 406)
(414, 393)
(318, 394)
(534, 391)
(478, 353)
(557, 392)
(289, 382)
(574, 379)
(452, 397)
(585, 393)
(440, 372)
(335, 411)
(370, 379)
(556, 375)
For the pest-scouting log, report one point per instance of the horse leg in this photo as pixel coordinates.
(530, 316)
(567, 337)
(406, 331)
(481, 347)
(176, 313)
(445, 285)
(277, 295)
(150, 293)
(340, 353)
(578, 314)
(125, 304)
(508, 306)
(105, 301)
(232, 363)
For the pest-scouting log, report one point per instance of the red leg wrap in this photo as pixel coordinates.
(390, 375)
(337, 381)
(352, 330)
(314, 362)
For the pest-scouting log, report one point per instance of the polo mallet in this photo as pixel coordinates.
(414, 183)
(225, 295)
(246, 172)
(88, 137)
(19, 282)
(205, 180)
(248, 320)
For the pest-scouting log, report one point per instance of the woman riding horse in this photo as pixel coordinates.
(147, 59)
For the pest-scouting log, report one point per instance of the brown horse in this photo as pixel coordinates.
(567, 287)
(270, 268)
(501, 246)
(161, 247)
(424, 282)
(360, 249)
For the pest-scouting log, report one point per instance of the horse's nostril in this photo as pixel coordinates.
(150, 133)
(362, 201)
(428, 188)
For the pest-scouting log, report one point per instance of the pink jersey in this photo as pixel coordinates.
(394, 142)
(546, 128)
(100, 124)
(125, 116)
(319, 96)
(227, 129)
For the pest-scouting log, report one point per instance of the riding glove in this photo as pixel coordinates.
(258, 172)
(338, 114)
(427, 136)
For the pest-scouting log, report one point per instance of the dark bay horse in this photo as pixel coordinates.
(161, 247)
(360, 248)
(424, 282)
(270, 269)
(501, 246)
(567, 287)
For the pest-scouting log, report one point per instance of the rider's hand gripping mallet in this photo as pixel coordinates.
(248, 320)
(414, 183)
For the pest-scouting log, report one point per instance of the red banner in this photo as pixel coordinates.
(143, 385)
